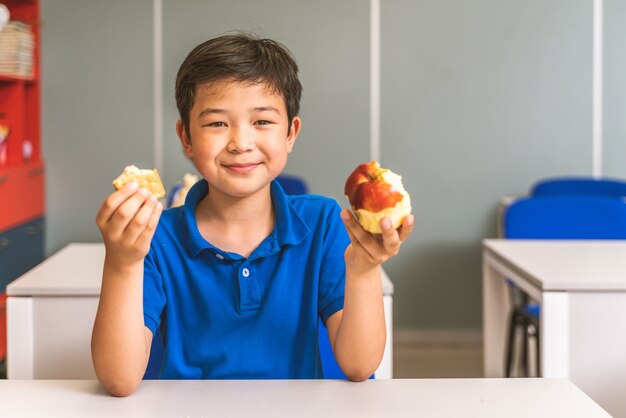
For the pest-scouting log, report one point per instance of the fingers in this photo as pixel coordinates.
(140, 222)
(368, 244)
(378, 249)
(146, 234)
(357, 235)
(407, 227)
(354, 229)
(112, 202)
(393, 238)
(126, 213)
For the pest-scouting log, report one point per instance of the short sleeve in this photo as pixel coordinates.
(333, 268)
(153, 293)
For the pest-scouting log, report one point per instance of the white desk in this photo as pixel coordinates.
(485, 398)
(581, 287)
(51, 310)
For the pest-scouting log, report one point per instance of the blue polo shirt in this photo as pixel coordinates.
(224, 316)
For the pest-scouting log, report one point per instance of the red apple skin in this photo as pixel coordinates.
(361, 174)
(375, 195)
(366, 189)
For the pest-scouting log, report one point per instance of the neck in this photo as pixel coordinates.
(227, 208)
(235, 224)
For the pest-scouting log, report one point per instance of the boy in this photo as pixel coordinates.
(237, 278)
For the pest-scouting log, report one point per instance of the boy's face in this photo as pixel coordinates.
(238, 136)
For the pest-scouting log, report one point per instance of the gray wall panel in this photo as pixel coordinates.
(479, 99)
(96, 107)
(614, 161)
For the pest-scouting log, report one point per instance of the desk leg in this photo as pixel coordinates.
(20, 338)
(496, 308)
(554, 334)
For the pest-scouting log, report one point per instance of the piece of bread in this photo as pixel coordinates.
(147, 179)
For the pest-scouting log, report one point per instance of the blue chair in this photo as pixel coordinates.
(293, 184)
(577, 185)
(566, 217)
(556, 217)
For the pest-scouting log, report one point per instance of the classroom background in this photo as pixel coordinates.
(478, 99)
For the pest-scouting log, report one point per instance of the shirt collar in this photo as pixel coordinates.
(289, 228)
(289, 225)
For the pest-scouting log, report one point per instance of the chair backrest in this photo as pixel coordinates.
(566, 217)
(579, 185)
(293, 184)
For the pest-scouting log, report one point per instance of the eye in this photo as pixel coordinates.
(262, 122)
(216, 124)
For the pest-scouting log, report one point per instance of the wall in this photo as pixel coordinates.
(614, 161)
(479, 99)
(96, 107)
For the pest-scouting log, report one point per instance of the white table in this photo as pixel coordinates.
(581, 288)
(444, 398)
(51, 310)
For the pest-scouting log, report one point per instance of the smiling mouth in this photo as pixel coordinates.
(242, 168)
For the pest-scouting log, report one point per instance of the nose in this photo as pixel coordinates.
(240, 140)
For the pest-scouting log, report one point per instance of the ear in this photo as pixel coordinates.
(184, 139)
(296, 124)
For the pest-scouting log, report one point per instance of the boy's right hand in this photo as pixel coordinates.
(127, 220)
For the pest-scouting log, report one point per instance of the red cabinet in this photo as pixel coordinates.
(22, 170)
(21, 163)
(21, 194)
(19, 84)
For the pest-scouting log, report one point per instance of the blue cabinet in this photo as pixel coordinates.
(21, 249)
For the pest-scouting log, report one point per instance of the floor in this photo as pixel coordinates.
(437, 360)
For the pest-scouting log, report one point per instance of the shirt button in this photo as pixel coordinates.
(245, 272)
(219, 256)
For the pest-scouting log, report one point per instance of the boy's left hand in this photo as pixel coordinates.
(367, 251)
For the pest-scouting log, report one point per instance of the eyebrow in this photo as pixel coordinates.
(266, 109)
(210, 110)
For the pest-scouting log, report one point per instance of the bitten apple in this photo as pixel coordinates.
(374, 193)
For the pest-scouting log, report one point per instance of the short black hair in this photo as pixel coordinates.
(241, 57)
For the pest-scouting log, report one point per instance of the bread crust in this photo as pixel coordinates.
(147, 179)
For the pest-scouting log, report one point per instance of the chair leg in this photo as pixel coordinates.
(533, 333)
(510, 344)
(538, 345)
(524, 354)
